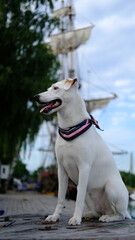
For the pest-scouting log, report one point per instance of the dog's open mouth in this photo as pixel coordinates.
(51, 105)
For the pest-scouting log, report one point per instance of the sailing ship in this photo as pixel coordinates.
(63, 45)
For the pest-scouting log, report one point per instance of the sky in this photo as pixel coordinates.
(107, 63)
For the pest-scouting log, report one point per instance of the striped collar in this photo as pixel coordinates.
(73, 132)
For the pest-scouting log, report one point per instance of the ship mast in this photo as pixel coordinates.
(71, 27)
(62, 55)
(69, 39)
(71, 14)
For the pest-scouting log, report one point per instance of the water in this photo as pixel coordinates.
(131, 208)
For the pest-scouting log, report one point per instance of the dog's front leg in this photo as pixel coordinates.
(63, 182)
(81, 193)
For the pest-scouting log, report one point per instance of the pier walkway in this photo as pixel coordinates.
(30, 208)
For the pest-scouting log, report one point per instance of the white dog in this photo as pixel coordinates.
(83, 156)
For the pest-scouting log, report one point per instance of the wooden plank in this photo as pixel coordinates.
(31, 226)
(29, 208)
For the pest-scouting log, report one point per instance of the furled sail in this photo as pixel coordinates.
(98, 103)
(61, 12)
(64, 42)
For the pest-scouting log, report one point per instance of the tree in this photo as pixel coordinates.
(27, 66)
(128, 178)
(20, 170)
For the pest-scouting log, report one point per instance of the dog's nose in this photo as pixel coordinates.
(36, 97)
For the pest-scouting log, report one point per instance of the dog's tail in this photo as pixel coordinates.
(128, 215)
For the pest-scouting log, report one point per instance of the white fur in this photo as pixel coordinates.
(87, 161)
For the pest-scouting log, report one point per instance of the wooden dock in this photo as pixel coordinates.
(30, 209)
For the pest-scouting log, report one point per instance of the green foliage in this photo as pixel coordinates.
(128, 178)
(36, 173)
(20, 170)
(27, 67)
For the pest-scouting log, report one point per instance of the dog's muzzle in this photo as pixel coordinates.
(49, 106)
(36, 97)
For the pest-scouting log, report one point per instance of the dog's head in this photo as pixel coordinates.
(57, 95)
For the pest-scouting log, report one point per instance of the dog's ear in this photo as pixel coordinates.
(74, 81)
(69, 82)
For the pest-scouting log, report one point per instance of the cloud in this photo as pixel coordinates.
(114, 23)
(118, 118)
(119, 136)
(127, 90)
(91, 6)
(126, 104)
(132, 97)
(128, 63)
(123, 86)
(133, 115)
(122, 82)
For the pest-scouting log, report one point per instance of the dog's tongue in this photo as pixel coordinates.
(46, 107)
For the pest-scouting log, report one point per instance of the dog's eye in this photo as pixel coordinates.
(55, 88)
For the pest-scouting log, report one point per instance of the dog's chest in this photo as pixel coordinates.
(71, 169)
(68, 158)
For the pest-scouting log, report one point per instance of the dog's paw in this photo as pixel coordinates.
(52, 218)
(104, 218)
(74, 221)
(110, 218)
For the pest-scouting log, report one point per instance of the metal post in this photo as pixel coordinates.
(131, 163)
